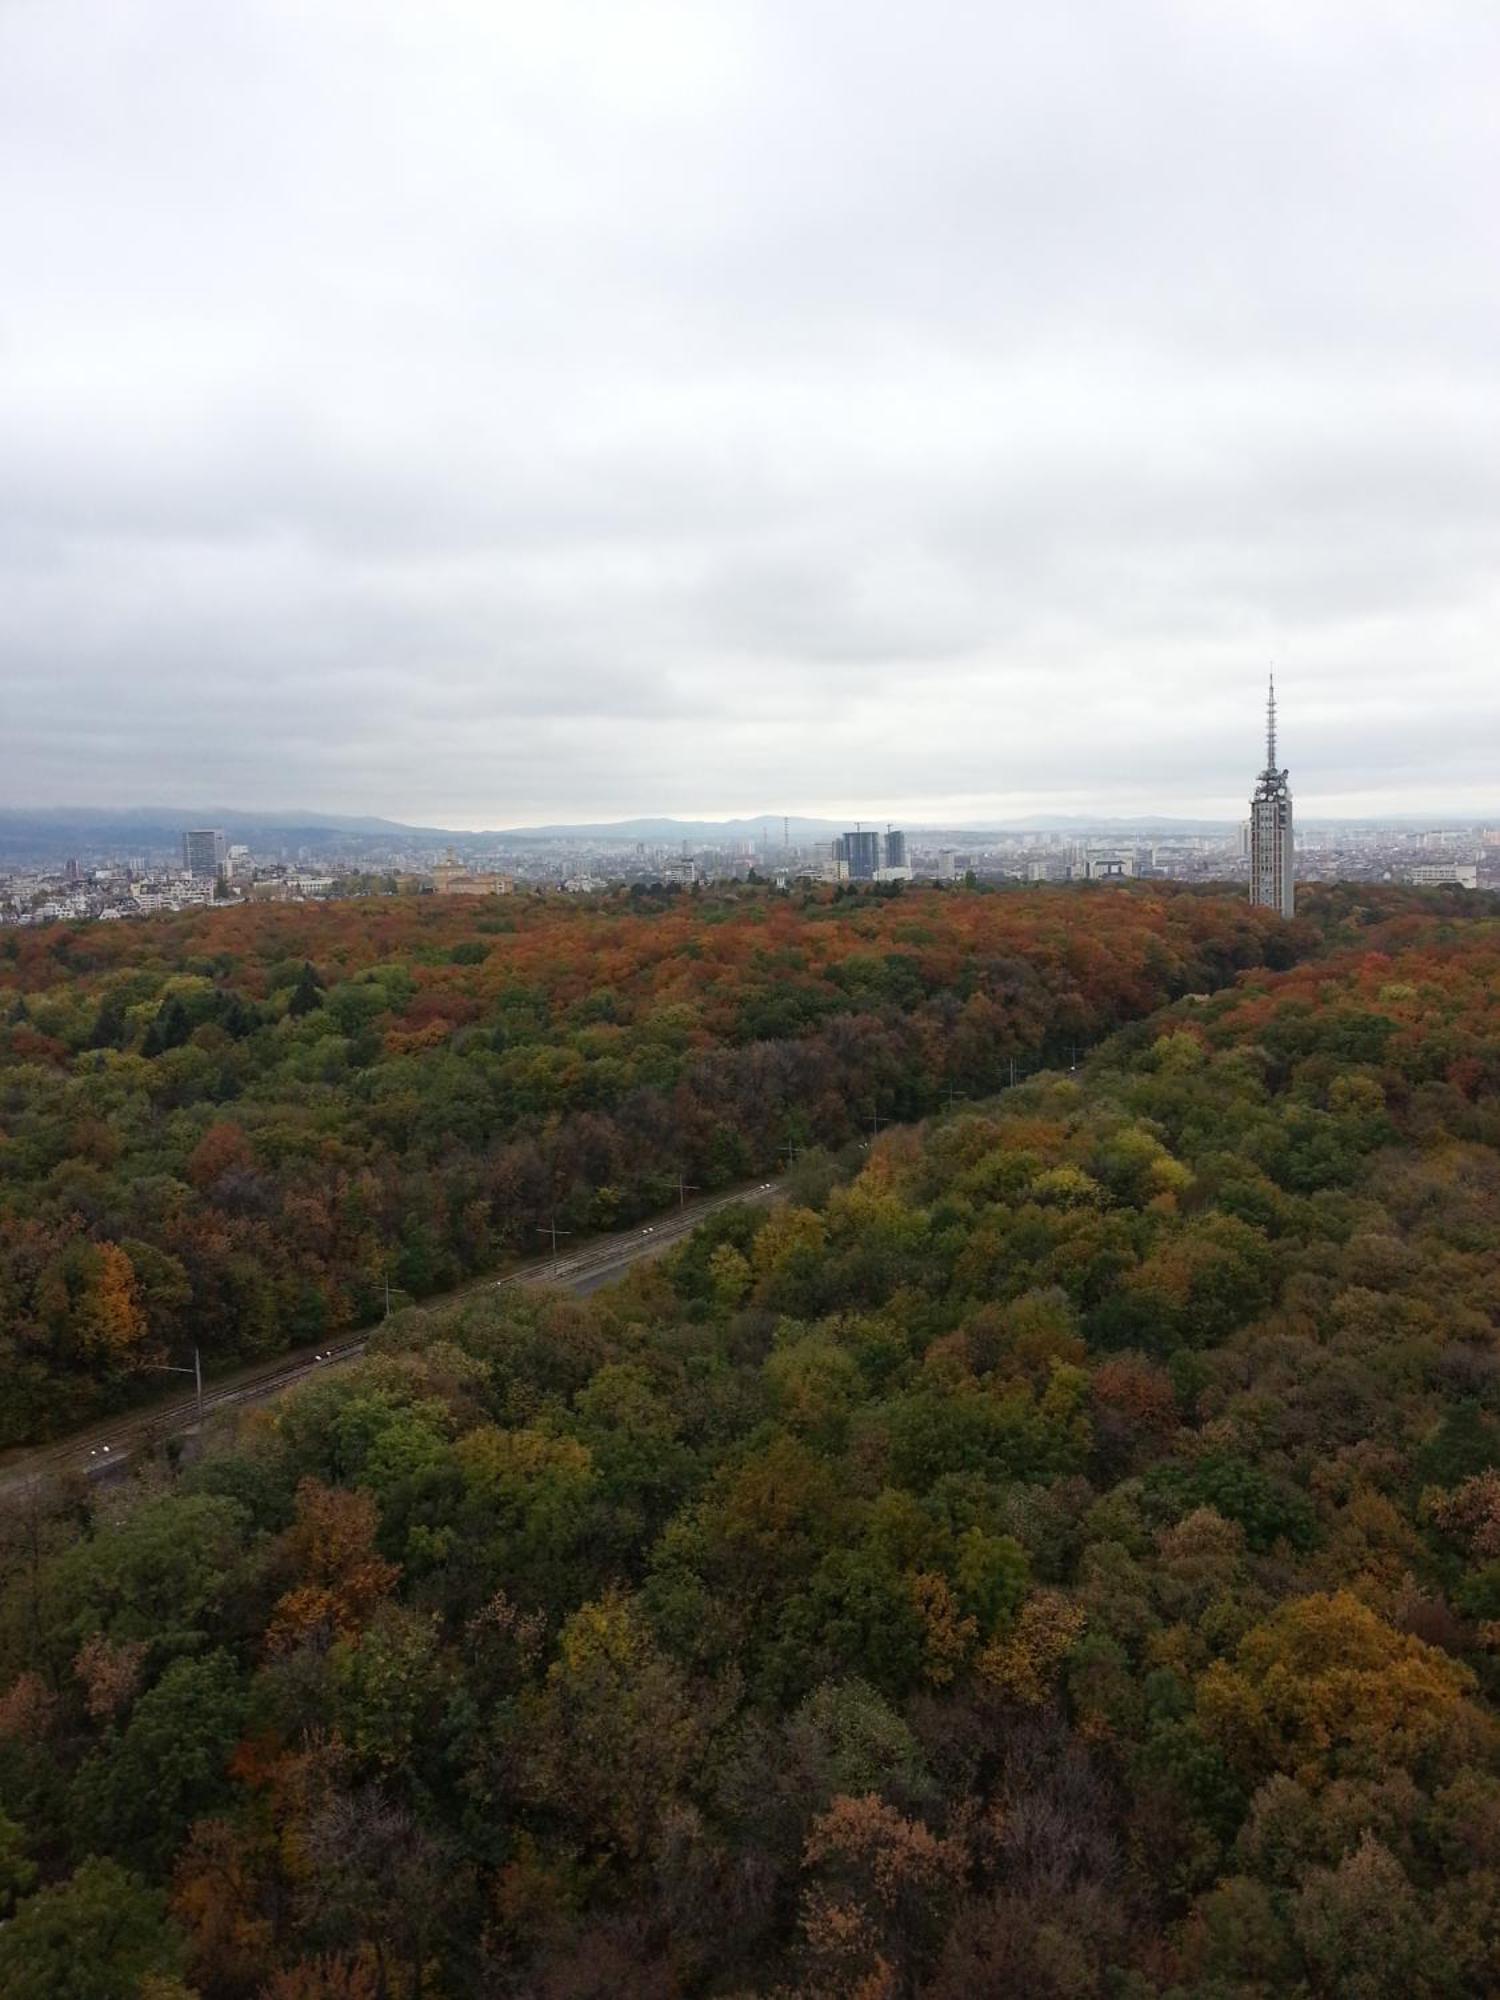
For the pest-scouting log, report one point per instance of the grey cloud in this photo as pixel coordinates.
(486, 412)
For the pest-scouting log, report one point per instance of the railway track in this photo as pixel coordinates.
(103, 1448)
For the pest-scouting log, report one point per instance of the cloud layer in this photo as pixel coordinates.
(480, 413)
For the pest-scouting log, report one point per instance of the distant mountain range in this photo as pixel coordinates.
(763, 827)
(64, 830)
(56, 832)
(132, 821)
(767, 828)
(40, 833)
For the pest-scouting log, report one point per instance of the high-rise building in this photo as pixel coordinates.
(203, 853)
(862, 852)
(895, 849)
(1271, 828)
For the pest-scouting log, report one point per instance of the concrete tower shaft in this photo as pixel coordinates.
(1272, 875)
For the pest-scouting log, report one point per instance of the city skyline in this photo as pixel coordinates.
(382, 857)
(746, 408)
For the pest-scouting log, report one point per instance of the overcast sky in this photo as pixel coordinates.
(482, 413)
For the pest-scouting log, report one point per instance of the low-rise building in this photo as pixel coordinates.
(1445, 875)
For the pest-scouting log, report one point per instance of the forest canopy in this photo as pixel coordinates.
(235, 1129)
(1059, 1555)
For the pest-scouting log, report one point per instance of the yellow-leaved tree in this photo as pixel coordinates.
(1324, 1688)
(110, 1320)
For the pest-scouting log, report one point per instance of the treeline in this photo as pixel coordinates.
(237, 1128)
(1062, 1560)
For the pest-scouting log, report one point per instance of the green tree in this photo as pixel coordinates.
(164, 1573)
(139, 1793)
(307, 994)
(96, 1936)
(1363, 1932)
(170, 1029)
(17, 1869)
(616, 1734)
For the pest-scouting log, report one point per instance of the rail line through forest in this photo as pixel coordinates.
(102, 1448)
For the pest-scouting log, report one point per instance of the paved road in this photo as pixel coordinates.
(103, 1448)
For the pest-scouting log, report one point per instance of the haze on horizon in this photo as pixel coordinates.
(488, 415)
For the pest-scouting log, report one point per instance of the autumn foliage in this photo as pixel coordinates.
(1054, 1550)
(235, 1129)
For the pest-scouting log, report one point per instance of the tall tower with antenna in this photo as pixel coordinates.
(1271, 878)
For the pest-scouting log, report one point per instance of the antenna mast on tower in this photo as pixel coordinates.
(1272, 861)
